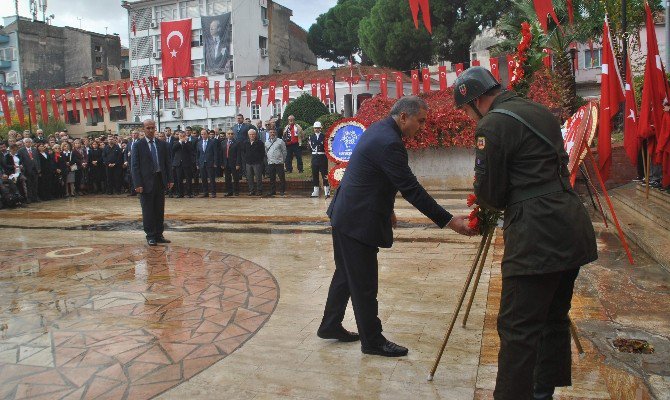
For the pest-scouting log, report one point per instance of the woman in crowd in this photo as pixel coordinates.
(70, 163)
(46, 180)
(59, 183)
(96, 170)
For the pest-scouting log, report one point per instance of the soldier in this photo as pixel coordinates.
(521, 168)
(319, 161)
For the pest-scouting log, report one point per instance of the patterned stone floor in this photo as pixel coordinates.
(122, 321)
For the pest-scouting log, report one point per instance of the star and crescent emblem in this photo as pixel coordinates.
(494, 66)
(632, 114)
(178, 35)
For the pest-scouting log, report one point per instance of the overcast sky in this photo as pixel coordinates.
(108, 16)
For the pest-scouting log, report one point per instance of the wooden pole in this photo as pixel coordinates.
(595, 191)
(575, 337)
(648, 172)
(482, 261)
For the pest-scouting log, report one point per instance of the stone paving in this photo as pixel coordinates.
(231, 307)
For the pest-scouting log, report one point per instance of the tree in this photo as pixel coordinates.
(305, 108)
(389, 38)
(334, 36)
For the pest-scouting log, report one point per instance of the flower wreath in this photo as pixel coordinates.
(330, 136)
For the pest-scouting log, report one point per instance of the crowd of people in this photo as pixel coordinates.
(39, 168)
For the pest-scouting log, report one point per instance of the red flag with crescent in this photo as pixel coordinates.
(323, 89)
(18, 103)
(415, 81)
(459, 68)
(398, 85)
(443, 77)
(315, 86)
(476, 63)
(43, 104)
(31, 106)
(495, 68)
(331, 90)
(259, 93)
(300, 84)
(175, 89)
(5, 107)
(217, 87)
(105, 89)
(54, 104)
(238, 93)
(185, 87)
(166, 90)
(98, 94)
(119, 92)
(176, 48)
(272, 92)
(423, 6)
(426, 80)
(226, 92)
(84, 101)
(285, 92)
(248, 93)
(73, 101)
(63, 99)
(383, 86)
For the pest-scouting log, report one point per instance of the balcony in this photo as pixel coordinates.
(4, 39)
(7, 87)
(5, 64)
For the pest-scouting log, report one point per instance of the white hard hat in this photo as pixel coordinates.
(317, 124)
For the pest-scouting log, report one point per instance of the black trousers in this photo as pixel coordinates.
(274, 170)
(319, 166)
(534, 330)
(293, 150)
(232, 180)
(32, 185)
(208, 177)
(183, 173)
(46, 187)
(196, 175)
(355, 276)
(114, 177)
(153, 209)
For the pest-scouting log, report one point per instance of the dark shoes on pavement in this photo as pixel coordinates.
(151, 242)
(341, 334)
(387, 349)
(162, 239)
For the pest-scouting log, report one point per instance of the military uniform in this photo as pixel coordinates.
(319, 160)
(548, 235)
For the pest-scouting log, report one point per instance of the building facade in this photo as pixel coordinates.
(35, 55)
(264, 40)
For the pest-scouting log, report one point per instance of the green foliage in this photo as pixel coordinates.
(328, 120)
(196, 128)
(334, 36)
(305, 108)
(49, 128)
(389, 38)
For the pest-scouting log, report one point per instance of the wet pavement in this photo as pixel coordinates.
(230, 308)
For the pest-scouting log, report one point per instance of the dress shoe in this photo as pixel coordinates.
(213, 194)
(227, 195)
(237, 194)
(259, 194)
(387, 349)
(180, 196)
(152, 242)
(204, 195)
(162, 239)
(341, 334)
(190, 196)
(543, 393)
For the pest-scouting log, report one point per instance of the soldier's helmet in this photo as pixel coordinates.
(472, 83)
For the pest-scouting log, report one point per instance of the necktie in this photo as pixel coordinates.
(30, 153)
(154, 154)
(204, 145)
(227, 149)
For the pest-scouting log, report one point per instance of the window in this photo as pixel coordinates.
(94, 117)
(264, 13)
(255, 111)
(98, 59)
(592, 60)
(117, 113)
(167, 12)
(196, 38)
(73, 117)
(331, 107)
(277, 108)
(97, 49)
(198, 67)
(12, 78)
(8, 54)
(262, 42)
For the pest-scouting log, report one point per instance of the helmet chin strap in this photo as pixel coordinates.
(475, 109)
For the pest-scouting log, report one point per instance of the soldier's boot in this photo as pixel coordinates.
(315, 192)
(543, 393)
(326, 190)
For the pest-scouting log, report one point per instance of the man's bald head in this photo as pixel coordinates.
(149, 126)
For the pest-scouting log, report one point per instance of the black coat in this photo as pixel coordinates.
(112, 155)
(142, 167)
(182, 154)
(95, 155)
(30, 165)
(233, 153)
(549, 230)
(9, 166)
(252, 153)
(377, 170)
(47, 166)
(210, 155)
(66, 161)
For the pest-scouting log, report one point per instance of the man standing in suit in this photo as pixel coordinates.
(112, 158)
(241, 129)
(182, 164)
(151, 172)
(229, 154)
(31, 168)
(362, 219)
(253, 152)
(207, 161)
(134, 138)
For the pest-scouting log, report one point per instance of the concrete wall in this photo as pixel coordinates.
(247, 28)
(79, 47)
(280, 44)
(443, 169)
(301, 57)
(41, 50)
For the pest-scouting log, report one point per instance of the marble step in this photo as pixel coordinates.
(654, 209)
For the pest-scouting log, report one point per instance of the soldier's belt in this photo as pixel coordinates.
(318, 152)
(522, 194)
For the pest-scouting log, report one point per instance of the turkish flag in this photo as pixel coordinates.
(443, 77)
(248, 93)
(546, 60)
(426, 80)
(511, 64)
(415, 82)
(185, 87)
(166, 90)
(331, 90)
(398, 85)
(424, 6)
(154, 81)
(90, 99)
(132, 90)
(54, 105)
(631, 141)
(63, 99)
(119, 92)
(83, 101)
(146, 88)
(300, 84)
(544, 8)
(4, 101)
(226, 92)
(43, 104)
(322, 87)
(476, 63)
(205, 85)
(98, 94)
(194, 84)
(272, 92)
(73, 101)
(238, 93)
(126, 85)
(139, 86)
(175, 89)
(495, 70)
(30, 97)
(105, 89)
(314, 88)
(611, 96)
(383, 86)
(18, 103)
(285, 92)
(459, 69)
(259, 93)
(217, 86)
(176, 48)
(357, 80)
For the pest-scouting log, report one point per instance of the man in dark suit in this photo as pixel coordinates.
(134, 138)
(229, 154)
(362, 217)
(207, 162)
(31, 168)
(182, 165)
(112, 158)
(241, 129)
(151, 172)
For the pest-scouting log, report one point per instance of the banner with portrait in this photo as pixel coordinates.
(217, 37)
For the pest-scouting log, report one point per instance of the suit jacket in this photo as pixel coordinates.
(182, 154)
(30, 165)
(241, 132)
(142, 165)
(209, 155)
(46, 165)
(95, 155)
(9, 166)
(377, 170)
(112, 155)
(252, 153)
(71, 159)
(233, 153)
